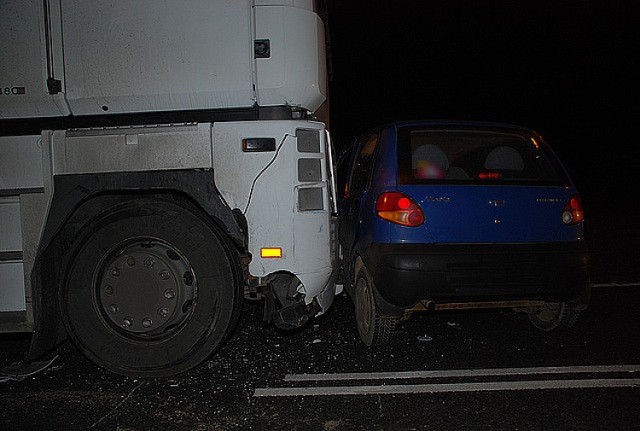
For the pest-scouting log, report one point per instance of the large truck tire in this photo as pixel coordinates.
(152, 289)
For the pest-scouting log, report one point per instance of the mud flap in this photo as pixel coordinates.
(49, 330)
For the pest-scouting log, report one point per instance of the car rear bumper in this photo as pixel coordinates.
(407, 273)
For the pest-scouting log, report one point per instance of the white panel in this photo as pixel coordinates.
(295, 73)
(10, 229)
(305, 4)
(20, 162)
(11, 287)
(271, 212)
(132, 149)
(147, 55)
(23, 68)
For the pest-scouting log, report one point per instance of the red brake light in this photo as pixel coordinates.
(404, 203)
(572, 212)
(400, 209)
(489, 175)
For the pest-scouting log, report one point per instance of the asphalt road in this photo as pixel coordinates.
(237, 388)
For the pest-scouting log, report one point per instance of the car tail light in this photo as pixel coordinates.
(399, 208)
(573, 213)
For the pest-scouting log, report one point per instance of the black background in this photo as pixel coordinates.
(567, 69)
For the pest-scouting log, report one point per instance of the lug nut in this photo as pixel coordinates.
(127, 321)
(131, 261)
(108, 290)
(113, 308)
(115, 271)
(163, 311)
(169, 293)
(164, 274)
(149, 262)
(147, 322)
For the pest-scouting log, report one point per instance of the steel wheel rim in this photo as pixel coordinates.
(549, 312)
(144, 289)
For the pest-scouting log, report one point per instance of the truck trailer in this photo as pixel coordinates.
(160, 164)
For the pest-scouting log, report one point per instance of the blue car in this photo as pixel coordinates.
(453, 215)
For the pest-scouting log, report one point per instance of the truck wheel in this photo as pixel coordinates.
(374, 329)
(152, 290)
(554, 316)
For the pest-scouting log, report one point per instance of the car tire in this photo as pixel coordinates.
(374, 330)
(555, 316)
(152, 289)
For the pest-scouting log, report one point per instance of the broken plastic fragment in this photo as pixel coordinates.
(454, 325)
(20, 371)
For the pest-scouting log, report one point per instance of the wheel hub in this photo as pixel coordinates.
(145, 288)
(549, 312)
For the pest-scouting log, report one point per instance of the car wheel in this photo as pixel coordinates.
(152, 290)
(374, 329)
(554, 316)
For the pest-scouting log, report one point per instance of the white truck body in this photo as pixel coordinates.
(253, 69)
(125, 57)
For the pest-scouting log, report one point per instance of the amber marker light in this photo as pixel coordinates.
(271, 252)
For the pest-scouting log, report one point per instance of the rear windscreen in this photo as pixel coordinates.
(474, 157)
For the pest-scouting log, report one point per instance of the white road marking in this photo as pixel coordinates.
(615, 284)
(375, 389)
(461, 373)
(446, 387)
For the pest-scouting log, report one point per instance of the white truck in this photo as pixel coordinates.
(160, 163)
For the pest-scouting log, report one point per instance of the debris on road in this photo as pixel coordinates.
(454, 325)
(19, 371)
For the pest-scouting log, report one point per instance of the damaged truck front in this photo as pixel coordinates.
(159, 165)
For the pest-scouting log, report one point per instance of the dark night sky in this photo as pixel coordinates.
(565, 68)
(523, 61)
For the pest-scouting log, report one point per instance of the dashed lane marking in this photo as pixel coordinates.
(382, 377)
(446, 387)
(615, 284)
(461, 373)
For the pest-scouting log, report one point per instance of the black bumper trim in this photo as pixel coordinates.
(407, 273)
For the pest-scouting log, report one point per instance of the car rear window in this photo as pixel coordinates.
(475, 157)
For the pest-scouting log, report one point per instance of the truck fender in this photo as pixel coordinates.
(77, 199)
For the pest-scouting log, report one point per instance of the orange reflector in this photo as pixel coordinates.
(271, 252)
